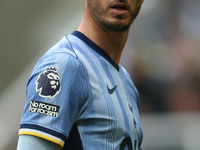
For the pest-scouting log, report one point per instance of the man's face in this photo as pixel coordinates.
(114, 15)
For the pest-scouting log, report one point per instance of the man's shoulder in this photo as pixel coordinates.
(61, 53)
(124, 72)
(61, 56)
(62, 46)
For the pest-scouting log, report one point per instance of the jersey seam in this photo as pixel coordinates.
(85, 76)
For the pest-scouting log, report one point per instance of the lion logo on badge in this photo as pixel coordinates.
(48, 83)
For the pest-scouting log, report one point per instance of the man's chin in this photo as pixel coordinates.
(117, 26)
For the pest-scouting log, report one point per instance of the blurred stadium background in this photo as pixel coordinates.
(162, 55)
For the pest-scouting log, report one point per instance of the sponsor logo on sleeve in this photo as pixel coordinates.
(48, 83)
(44, 108)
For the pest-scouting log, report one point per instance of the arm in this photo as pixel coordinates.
(51, 111)
(28, 142)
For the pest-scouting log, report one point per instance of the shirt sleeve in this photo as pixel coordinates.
(56, 97)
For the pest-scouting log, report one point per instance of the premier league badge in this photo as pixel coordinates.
(48, 83)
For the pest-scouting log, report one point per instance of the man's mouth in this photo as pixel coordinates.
(119, 7)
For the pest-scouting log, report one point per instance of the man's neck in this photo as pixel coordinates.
(111, 42)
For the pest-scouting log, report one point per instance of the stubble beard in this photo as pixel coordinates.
(98, 14)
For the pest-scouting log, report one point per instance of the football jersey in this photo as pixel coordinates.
(79, 98)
